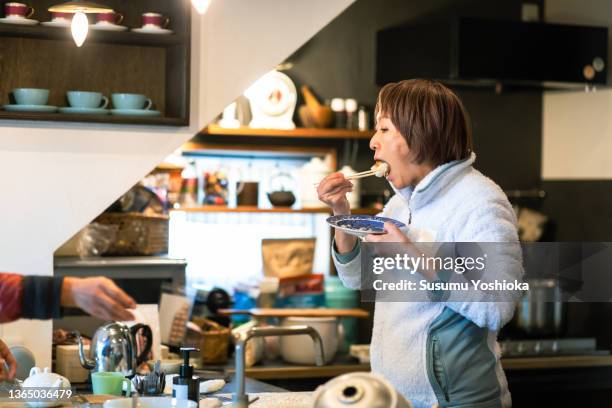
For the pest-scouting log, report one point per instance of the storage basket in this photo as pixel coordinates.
(138, 234)
(214, 341)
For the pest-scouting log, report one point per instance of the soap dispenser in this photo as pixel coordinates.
(186, 385)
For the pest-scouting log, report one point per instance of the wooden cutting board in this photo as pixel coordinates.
(318, 312)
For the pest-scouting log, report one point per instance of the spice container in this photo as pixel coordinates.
(337, 106)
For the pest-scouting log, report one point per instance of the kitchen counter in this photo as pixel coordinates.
(252, 387)
(278, 369)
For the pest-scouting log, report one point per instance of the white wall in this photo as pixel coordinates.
(577, 126)
(56, 177)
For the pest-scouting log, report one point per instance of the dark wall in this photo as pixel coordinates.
(340, 62)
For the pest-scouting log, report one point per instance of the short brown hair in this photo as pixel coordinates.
(431, 118)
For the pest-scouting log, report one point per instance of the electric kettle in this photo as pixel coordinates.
(113, 348)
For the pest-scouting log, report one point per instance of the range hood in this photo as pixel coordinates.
(473, 52)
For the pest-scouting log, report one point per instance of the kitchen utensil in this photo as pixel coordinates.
(113, 348)
(322, 115)
(110, 383)
(306, 117)
(84, 99)
(318, 312)
(281, 198)
(296, 349)
(379, 169)
(154, 20)
(541, 312)
(31, 96)
(361, 225)
(358, 390)
(280, 186)
(128, 101)
(17, 10)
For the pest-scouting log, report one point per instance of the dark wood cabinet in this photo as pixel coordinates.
(157, 66)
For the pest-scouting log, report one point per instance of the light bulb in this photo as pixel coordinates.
(201, 5)
(79, 28)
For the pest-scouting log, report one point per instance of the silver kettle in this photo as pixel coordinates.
(113, 348)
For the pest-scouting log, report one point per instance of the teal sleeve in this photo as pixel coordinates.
(347, 257)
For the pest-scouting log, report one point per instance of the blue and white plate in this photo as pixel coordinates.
(362, 225)
(30, 108)
(84, 111)
(135, 112)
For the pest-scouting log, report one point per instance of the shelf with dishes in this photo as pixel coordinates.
(311, 133)
(62, 33)
(148, 23)
(253, 209)
(139, 48)
(85, 106)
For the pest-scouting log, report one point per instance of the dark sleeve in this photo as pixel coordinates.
(41, 297)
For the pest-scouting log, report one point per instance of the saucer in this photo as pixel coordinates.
(30, 108)
(84, 111)
(59, 24)
(361, 225)
(147, 30)
(135, 112)
(18, 20)
(107, 27)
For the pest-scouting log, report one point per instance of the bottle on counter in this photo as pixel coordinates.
(337, 106)
(363, 119)
(188, 196)
(186, 385)
(350, 106)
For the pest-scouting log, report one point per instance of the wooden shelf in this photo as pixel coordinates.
(312, 133)
(111, 37)
(135, 120)
(289, 210)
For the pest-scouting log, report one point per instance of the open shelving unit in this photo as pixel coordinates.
(252, 209)
(303, 133)
(157, 66)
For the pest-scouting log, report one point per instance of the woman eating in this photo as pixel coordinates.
(443, 353)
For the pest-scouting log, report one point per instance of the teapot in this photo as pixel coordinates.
(45, 378)
(113, 348)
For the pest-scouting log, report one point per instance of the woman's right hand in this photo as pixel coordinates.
(332, 191)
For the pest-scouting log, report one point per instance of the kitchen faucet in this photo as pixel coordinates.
(239, 398)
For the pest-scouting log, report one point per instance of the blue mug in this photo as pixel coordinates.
(131, 101)
(31, 96)
(83, 99)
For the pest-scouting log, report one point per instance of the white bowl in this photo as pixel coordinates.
(300, 349)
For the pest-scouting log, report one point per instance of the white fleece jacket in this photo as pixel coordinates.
(453, 203)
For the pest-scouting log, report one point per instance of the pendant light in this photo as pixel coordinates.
(201, 5)
(80, 24)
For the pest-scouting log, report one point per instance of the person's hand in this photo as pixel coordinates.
(7, 357)
(98, 296)
(332, 191)
(392, 234)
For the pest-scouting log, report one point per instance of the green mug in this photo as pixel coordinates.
(110, 383)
